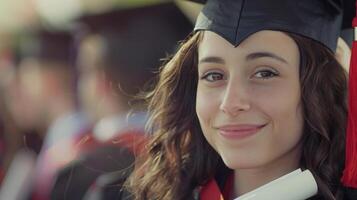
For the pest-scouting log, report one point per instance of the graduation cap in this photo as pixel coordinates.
(320, 20)
(236, 20)
(49, 46)
(145, 32)
(137, 38)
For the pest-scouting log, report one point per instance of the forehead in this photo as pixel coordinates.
(275, 42)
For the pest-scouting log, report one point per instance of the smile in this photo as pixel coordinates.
(239, 131)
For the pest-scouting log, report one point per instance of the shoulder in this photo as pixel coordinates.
(74, 180)
(110, 186)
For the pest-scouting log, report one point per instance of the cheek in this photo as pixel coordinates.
(207, 107)
(284, 110)
(287, 126)
(284, 107)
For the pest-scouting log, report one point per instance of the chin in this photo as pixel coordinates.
(240, 165)
(237, 162)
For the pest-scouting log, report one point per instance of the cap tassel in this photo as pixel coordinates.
(349, 177)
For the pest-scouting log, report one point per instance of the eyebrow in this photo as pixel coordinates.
(212, 59)
(252, 56)
(257, 55)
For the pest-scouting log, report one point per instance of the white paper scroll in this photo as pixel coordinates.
(296, 185)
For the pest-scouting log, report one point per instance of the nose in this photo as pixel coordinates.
(235, 99)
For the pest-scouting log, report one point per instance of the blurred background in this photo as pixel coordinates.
(71, 72)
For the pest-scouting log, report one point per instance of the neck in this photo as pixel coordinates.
(246, 180)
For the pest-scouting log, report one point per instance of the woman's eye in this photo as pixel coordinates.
(212, 76)
(265, 74)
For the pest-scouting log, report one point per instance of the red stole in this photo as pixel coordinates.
(211, 190)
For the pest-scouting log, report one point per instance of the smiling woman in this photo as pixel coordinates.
(255, 115)
(230, 114)
(252, 103)
(245, 115)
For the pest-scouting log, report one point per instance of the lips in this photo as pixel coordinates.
(239, 131)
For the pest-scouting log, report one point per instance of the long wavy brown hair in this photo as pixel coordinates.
(179, 159)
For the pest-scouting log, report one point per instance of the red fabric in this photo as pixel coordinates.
(228, 187)
(211, 190)
(350, 174)
(133, 140)
(349, 177)
(85, 143)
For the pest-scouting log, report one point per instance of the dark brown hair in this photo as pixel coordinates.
(324, 88)
(179, 159)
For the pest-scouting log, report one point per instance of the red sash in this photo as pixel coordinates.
(211, 190)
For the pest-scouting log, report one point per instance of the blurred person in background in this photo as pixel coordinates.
(47, 102)
(117, 57)
(14, 136)
(19, 142)
(10, 139)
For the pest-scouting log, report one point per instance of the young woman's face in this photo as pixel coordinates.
(248, 99)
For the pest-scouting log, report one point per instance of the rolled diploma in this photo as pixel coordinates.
(296, 185)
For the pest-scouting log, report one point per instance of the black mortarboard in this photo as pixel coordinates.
(235, 20)
(52, 46)
(145, 32)
(137, 38)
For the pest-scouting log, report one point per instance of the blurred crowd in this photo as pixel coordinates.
(71, 117)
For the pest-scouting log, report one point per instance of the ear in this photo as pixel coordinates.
(343, 54)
